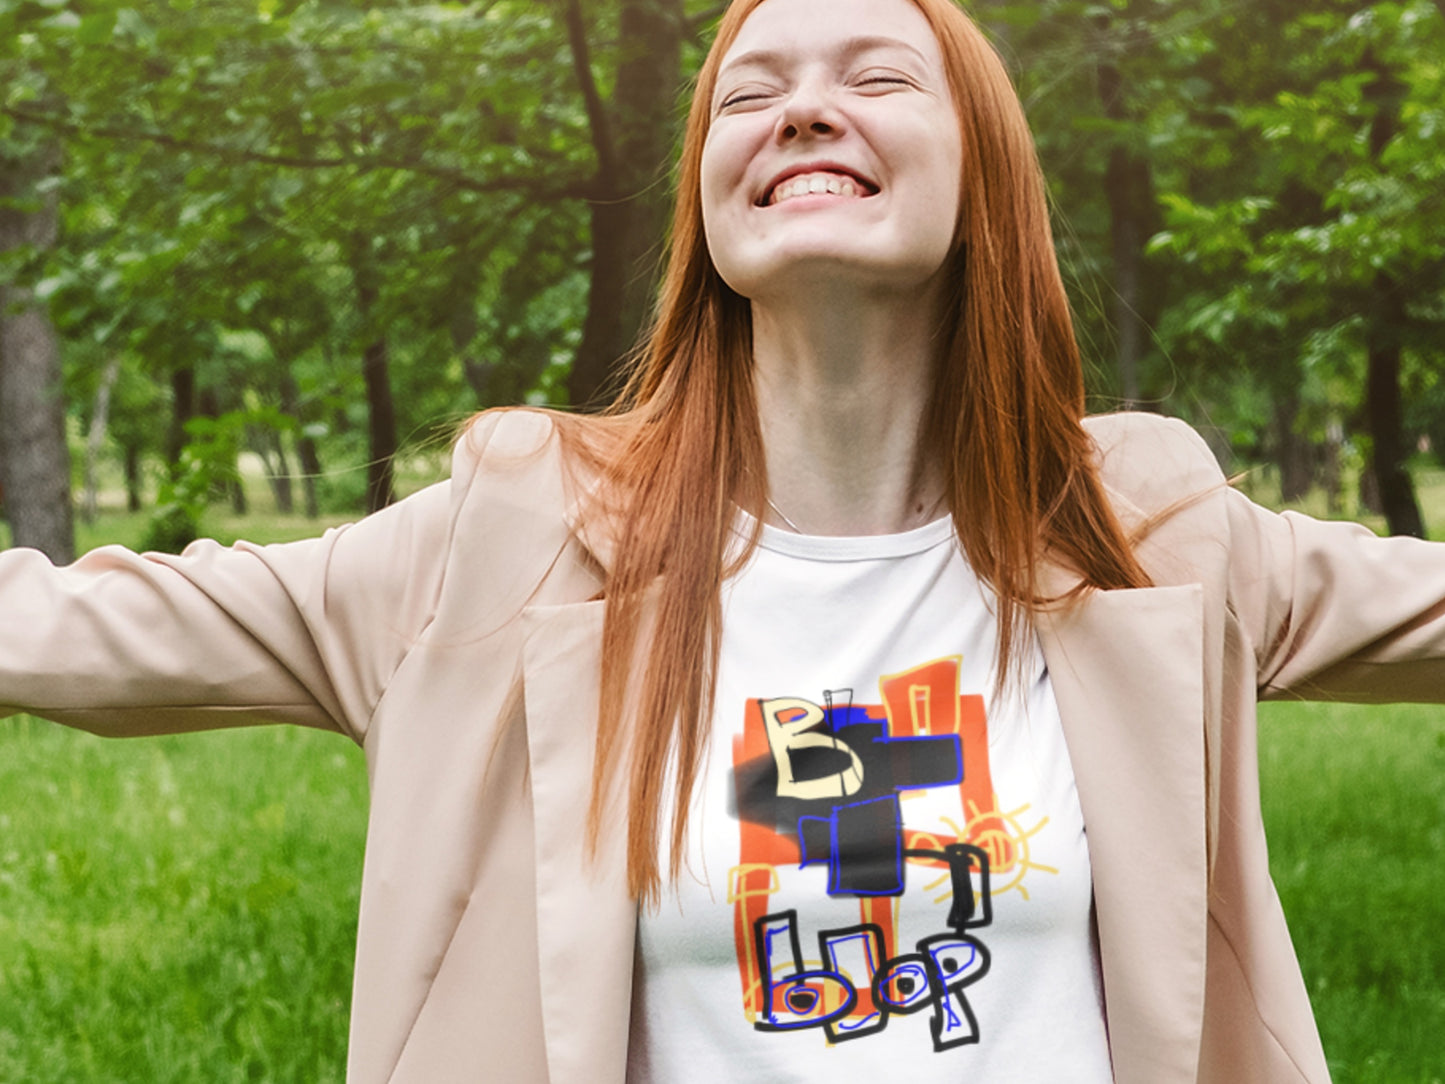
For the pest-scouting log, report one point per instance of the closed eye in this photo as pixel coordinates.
(743, 95)
(740, 99)
(884, 81)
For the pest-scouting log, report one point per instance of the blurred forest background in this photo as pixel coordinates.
(312, 236)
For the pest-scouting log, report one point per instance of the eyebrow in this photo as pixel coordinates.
(764, 58)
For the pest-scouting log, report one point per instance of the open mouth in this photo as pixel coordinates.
(818, 182)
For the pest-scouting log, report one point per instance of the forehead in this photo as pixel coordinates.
(805, 27)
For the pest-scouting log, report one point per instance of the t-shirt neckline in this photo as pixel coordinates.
(869, 547)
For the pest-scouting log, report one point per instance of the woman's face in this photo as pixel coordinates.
(834, 151)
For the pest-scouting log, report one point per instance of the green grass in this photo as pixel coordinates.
(176, 909)
(129, 528)
(1354, 803)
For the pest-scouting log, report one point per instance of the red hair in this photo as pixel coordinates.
(686, 449)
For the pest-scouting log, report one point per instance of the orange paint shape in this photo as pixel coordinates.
(758, 843)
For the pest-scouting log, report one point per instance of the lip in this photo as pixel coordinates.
(869, 186)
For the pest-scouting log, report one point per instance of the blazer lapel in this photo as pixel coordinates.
(586, 920)
(1127, 670)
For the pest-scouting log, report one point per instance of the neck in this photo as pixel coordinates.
(842, 391)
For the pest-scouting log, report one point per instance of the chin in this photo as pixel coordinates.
(832, 268)
(814, 254)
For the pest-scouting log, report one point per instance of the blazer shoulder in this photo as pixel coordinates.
(525, 448)
(1152, 461)
(495, 436)
(506, 437)
(522, 480)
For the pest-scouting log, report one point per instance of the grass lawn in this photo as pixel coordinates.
(177, 910)
(184, 909)
(1354, 803)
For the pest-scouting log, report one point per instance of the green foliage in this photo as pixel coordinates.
(1295, 156)
(207, 460)
(1282, 242)
(246, 169)
(237, 173)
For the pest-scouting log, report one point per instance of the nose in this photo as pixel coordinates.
(809, 112)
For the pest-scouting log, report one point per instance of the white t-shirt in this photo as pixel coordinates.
(886, 873)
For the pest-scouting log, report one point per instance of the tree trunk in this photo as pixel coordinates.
(1330, 473)
(1126, 176)
(95, 438)
(305, 446)
(1292, 452)
(381, 428)
(278, 470)
(1370, 492)
(381, 410)
(228, 484)
(1385, 411)
(481, 376)
(35, 460)
(131, 465)
(1129, 185)
(1384, 331)
(310, 474)
(183, 409)
(634, 142)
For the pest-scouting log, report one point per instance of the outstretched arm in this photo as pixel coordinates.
(309, 632)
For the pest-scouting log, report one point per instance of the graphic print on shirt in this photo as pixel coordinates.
(822, 785)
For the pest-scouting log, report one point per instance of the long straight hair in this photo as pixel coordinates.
(685, 448)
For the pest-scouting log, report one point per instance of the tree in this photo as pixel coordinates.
(34, 460)
(633, 138)
(34, 457)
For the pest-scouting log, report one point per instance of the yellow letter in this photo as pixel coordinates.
(787, 733)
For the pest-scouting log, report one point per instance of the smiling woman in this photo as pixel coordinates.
(833, 148)
(843, 706)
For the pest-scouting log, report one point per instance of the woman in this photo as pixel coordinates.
(720, 652)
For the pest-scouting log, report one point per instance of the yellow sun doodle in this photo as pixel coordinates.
(1003, 837)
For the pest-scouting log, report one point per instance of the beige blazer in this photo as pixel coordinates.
(456, 637)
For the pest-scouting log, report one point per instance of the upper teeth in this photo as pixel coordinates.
(814, 184)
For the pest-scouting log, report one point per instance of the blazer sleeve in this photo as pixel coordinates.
(1339, 612)
(1328, 610)
(121, 643)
